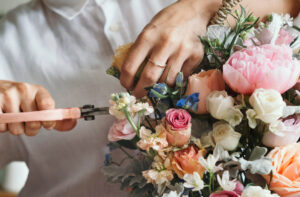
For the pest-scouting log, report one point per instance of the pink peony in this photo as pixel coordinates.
(266, 66)
(251, 42)
(284, 38)
(178, 126)
(121, 130)
(287, 132)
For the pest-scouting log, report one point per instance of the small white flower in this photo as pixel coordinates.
(193, 181)
(142, 107)
(256, 191)
(225, 182)
(210, 163)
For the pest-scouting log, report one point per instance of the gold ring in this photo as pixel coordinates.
(156, 64)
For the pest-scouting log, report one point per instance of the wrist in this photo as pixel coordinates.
(206, 9)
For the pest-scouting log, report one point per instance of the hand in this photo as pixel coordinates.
(170, 39)
(16, 97)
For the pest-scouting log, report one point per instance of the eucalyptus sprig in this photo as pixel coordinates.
(220, 50)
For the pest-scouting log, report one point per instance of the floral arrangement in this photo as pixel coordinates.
(229, 130)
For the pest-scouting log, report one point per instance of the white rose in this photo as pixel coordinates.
(268, 105)
(221, 107)
(224, 135)
(256, 191)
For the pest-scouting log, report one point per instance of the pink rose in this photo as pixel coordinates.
(286, 132)
(178, 126)
(225, 194)
(121, 130)
(239, 188)
(266, 66)
(205, 83)
(237, 192)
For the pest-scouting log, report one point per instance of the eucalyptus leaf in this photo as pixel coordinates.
(178, 187)
(217, 32)
(258, 153)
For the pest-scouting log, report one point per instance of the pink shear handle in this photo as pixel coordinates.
(45, 115)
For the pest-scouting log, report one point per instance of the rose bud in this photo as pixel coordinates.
(178, 126)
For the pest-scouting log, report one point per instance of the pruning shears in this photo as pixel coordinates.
(86, 112)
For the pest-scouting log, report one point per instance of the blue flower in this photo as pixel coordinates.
(107, 160)
(179, 79)
(159, 90)
(189, 102)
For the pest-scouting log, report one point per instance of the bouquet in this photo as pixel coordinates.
(230, 130)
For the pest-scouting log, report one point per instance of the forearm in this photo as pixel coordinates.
(262, 8)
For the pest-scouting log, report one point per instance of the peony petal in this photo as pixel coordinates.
(232, 77)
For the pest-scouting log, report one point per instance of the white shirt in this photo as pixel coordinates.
(66, 46)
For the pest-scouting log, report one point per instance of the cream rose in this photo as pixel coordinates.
(268, 105)
(224, 135)
(221, 107)
(256, 191)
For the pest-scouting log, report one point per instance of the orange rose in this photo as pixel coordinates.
(205, 83)
(286, 170)
(186, 161)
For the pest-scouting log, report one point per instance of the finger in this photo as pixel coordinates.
(44, 101)
(192, 62)
(3, 127)
(12, 105)
(65, 125)
(31, 128)
(138, 53)
(152, 72)
(174, 66)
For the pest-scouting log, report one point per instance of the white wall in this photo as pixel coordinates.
(6, 5)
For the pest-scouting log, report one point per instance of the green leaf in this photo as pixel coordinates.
(113, 71)
(130, 144)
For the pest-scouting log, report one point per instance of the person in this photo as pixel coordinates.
(57, 51)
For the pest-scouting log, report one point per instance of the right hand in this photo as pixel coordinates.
(23, 97)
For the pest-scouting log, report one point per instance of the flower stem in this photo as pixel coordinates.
(126, 153)
(130, 120)
(140, 114)
(211, 177)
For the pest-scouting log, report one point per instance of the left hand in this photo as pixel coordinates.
(170, 39)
